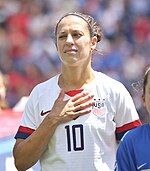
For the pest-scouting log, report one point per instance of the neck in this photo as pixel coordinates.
(72, 79)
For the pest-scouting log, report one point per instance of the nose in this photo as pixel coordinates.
(69, 39)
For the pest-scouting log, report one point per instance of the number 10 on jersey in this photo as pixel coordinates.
(75, 137)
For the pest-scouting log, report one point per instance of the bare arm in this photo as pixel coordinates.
(27, 152)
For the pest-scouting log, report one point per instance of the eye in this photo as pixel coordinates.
(62, 36)
(76, 35)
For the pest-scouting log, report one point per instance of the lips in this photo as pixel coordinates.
(70, 51)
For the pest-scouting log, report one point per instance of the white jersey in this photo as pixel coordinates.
(89, 142)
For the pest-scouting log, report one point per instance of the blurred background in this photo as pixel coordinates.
(28, 54)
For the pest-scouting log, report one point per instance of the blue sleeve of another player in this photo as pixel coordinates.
(125, 160)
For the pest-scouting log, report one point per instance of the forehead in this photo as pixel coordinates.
(73, 22)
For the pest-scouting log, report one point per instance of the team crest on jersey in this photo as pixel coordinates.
(99, 107)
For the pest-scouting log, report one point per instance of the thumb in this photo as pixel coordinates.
(61, 95)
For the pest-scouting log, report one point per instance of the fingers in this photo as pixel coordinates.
(79, 105)
(67, 110)
(83, 106)
(81, 96)
(81, 101)
(77, 99)
(75, 114)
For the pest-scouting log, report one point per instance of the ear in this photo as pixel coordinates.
(93, 43)
(143, 100)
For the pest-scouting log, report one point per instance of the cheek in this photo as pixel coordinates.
(59, 47)
(147, 102)
(148, 108)
(148, 97)
(85, 47)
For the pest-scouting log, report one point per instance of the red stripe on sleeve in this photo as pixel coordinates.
(26, 130)
(128, 126)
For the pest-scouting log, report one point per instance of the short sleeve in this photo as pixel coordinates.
(126, 116)
(28, 120)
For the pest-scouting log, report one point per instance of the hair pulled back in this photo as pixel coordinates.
(94, 28)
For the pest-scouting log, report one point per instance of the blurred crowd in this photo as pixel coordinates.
(28, 54)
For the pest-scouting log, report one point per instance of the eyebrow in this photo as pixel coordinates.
(73, 30)
(62, 32)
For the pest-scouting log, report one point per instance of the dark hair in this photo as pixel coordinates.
(145, 79)
(94, 28)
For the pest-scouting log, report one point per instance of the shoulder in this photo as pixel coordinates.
(46, 85)
(135, 133)
(109, 83)
(106, 78)
(133, 139)
(44, 89)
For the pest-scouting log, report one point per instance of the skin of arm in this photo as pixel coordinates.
(28, 151)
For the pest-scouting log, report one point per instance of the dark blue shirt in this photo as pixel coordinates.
(133, 152)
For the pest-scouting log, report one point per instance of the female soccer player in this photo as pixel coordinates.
(72, 122)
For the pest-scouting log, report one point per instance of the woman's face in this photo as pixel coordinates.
(74, 42)
(147, 94)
